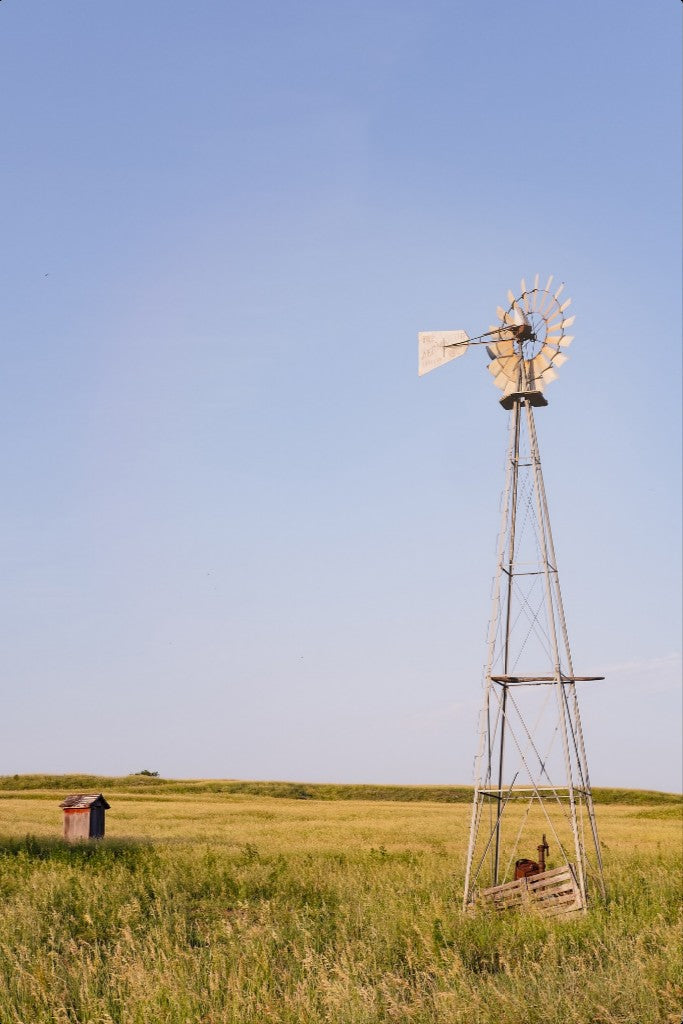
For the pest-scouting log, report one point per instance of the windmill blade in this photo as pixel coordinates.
(511, 298)
(510, 367)
(557, 322)
(504, 370)
(501, 349)
(521, 311)
(506, 367)
(538, 365)
(510, 388)
(551, 357)
(434, 348)
(547, 299)
(506, 346)
(559, 292)
(492, 351)
(566, 341)
(565, 305)
(549, 375)
(500, 313)
(518, 314)
(525, 297)
(503, 344)
(536, 282)
(507, 338)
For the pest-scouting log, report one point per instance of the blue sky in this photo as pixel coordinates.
(239, 537)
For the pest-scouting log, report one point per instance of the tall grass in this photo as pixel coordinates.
(250, 911)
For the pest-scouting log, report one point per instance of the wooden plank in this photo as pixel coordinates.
(557, 901)
(510, 902)
(552, 883)
(564, 900)
(560, 903)
(558, 890)
(549, 883)
(552, 873)
(505, 887)
(505, 897)
(541, 890)
(562, 886)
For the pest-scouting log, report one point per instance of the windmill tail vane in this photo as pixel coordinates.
(531, 770)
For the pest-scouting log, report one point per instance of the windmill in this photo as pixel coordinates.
(531, 771)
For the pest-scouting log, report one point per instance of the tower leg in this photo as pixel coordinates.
(582, 760)
(509, 570)
(484, 756)
(559, 684)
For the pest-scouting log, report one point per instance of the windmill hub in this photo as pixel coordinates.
(523, 332)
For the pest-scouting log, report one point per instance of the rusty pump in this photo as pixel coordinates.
(525, 867)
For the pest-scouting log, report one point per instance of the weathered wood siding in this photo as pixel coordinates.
(77, 823)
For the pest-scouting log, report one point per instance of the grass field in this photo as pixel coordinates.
(215, 906)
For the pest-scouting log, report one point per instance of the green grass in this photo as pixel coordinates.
(287, 790)
(210, 908)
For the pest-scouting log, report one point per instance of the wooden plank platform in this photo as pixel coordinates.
(553, 893)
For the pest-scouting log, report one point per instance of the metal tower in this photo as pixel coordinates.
(531, 771)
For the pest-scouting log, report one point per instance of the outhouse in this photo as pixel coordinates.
(84, 815)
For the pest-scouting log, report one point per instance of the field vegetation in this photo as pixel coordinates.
(149, 783)
(211, 905)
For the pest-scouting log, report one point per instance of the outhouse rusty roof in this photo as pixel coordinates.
(79, 801)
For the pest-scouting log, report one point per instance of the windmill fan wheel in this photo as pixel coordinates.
(530, 341)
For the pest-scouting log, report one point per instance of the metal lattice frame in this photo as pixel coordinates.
(503, 720)
(516, 735)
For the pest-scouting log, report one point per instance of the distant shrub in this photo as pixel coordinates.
(148, 773)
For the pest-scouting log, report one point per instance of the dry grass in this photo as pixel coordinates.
(218, 909)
